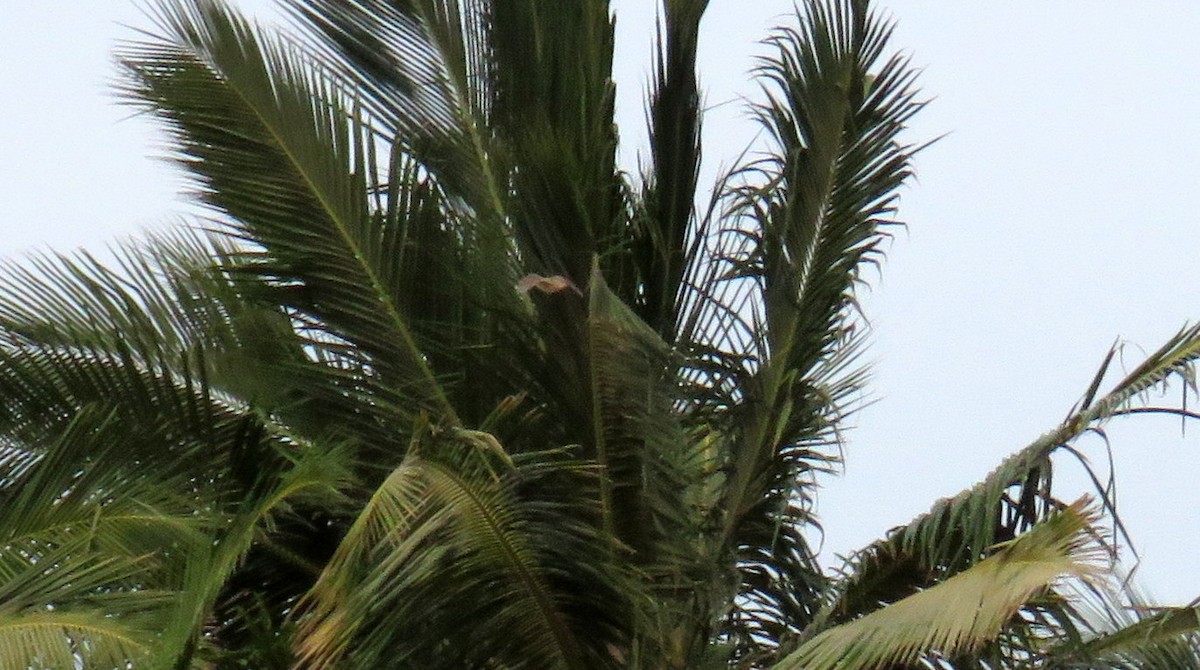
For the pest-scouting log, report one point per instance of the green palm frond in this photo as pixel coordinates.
(509, 106)
(1157, 625)
(90, 547)
(122, 462)
(639, 434)
(80, 490)
(457, 513)
(155, 342)
(1127, 633)
(656, 481)
(48, 640)
(666, 238)
(271, 146)
(814, 212)
(144, 550)
(211, 566)
(79, 341)
(552, 107)
(423, 69)
(773, 311)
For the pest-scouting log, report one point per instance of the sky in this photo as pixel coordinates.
(1054, 216)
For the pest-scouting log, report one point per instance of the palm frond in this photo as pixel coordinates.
(145, 340)
(47, 640)
(553, 107)
(123, 462)
(422, 68)
(965, 611)
(957, 531)
(656, 484)
(509, 106)
(773, 308)
(828, 188)
(666, 236)
(634, 417)
(210, 566)
(89, 546)
(459, 512)
(1127, 633)
(271, 147)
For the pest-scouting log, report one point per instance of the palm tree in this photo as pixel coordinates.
(438, 385)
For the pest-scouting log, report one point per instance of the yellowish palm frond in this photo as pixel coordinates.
(968, 610)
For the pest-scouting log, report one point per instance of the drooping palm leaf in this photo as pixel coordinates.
(1014, 496)
(958, 532)
(965, 611)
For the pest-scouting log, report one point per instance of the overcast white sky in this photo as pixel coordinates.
(1056, 216)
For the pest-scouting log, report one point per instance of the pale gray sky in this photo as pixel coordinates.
(1056, 216)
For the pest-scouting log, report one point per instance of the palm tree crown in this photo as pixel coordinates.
(439, 385)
